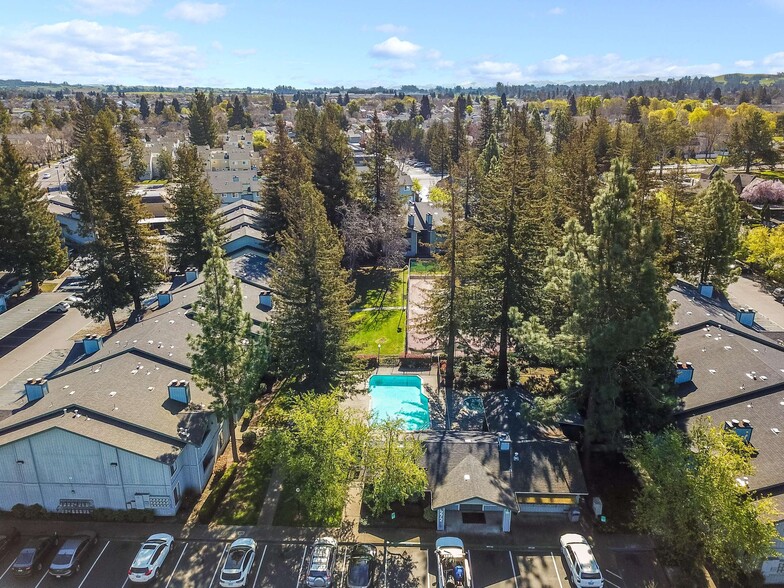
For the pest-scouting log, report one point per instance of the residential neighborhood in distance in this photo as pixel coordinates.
(349, 303)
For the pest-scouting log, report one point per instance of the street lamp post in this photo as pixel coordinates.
(378, 358)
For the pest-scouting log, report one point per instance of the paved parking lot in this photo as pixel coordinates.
(195, 564)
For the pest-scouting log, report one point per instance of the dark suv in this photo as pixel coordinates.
(72, 554)
(32, 555)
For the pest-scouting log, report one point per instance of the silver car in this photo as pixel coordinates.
(321, 568)
(238, 564)
(150, 558)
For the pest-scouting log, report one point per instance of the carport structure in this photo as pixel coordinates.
(481, 479)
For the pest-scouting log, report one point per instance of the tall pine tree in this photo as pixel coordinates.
(30, 243)
(201, 125)
(310, 318)
(192, 210)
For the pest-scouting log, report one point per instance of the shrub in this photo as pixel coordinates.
(429, 515)
(108, 515)
(249, 439)
(33, 511)
(210, 505)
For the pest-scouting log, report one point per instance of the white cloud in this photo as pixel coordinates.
(111, 6)
(244, 52)
(83, 51)
(774, 62)
(744, 63)
(496, 71)
(556, 11)
(217, 45)
(614, 67)
(391, 29)
(197, 12)
(394, 48)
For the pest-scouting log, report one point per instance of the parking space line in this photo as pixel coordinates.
(95, 562)
(345, 554)
(427, 571)
(258, 571)
(614, 574)
(6, 570)
(557, 573)
(386, 553)
(174, 571)
(470, 563)
(215, 573)
(301, 565)
(514, 572)
(126, 581)
(606, 581)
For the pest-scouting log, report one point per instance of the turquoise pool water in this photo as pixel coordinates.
(400, 396)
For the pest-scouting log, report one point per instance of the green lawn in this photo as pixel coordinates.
(424, 267)
(771, 175)
(289, 514)
(387, 327)
(242, 503)
(377, 287)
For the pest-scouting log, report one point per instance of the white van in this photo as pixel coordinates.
(580, 562)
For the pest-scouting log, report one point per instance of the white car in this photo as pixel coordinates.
(238, 564)
(46, 176)
(60, 308)
(580, 562)
(150, 558)
(452, 565)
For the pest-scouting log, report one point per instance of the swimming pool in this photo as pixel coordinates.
(400, 397)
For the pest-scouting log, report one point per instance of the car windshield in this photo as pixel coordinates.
(320, 559)
(359, 572)
(591, 575)
(231, 575)
(145, 555)
(25, 556)
(63, 557)
(234, 561)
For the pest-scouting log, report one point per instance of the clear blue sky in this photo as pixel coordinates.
(308, 43)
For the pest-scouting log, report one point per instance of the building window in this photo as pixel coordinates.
(173, 467)
(177, 494)
(207, 460)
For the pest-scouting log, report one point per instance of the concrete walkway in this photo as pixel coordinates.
(376, 308)
(271, 500)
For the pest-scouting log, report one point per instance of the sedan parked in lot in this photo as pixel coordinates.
(322, 563)
(150, 558)
(361, 566)
(580, 563)
(33, 554)
(60, 308)
(8, 536)
(238, 564)
(72, 554)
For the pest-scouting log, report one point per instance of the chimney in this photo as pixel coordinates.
(706, 289)
(429, 219)
(164, 298)
(742, 428)
(36, 389)
(180, 390)
(746, 316)
(411, 221)
(684, 372)
(191, 274)
(265, 299)
(92, 343)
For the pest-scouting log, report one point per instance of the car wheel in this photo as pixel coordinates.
(38, 566)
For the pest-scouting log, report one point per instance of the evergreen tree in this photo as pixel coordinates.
(165, 164)
(192, 210)
(285, 167)
(633, 114)
(239, 119)
(572, 104)
(457, 135)
(310, 318)
(144, 108)
(175, 103)
(201, 125)
(413, 111)
(424, 107)
(486, 125)
(563, 126)
(610, 320)
(438, 147)
(159, 106)
(334, 173)
(30, 243)
(717, 95)
(5, 119)
(751, 140)
(305, 121)
(225, 357)
(278, 103)
(124, 254)
(714, 232)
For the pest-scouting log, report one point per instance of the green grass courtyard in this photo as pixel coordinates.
(379, 316)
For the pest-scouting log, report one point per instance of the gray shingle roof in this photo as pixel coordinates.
(465, 466)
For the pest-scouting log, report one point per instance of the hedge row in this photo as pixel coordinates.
(38, 512)
(210, 505)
